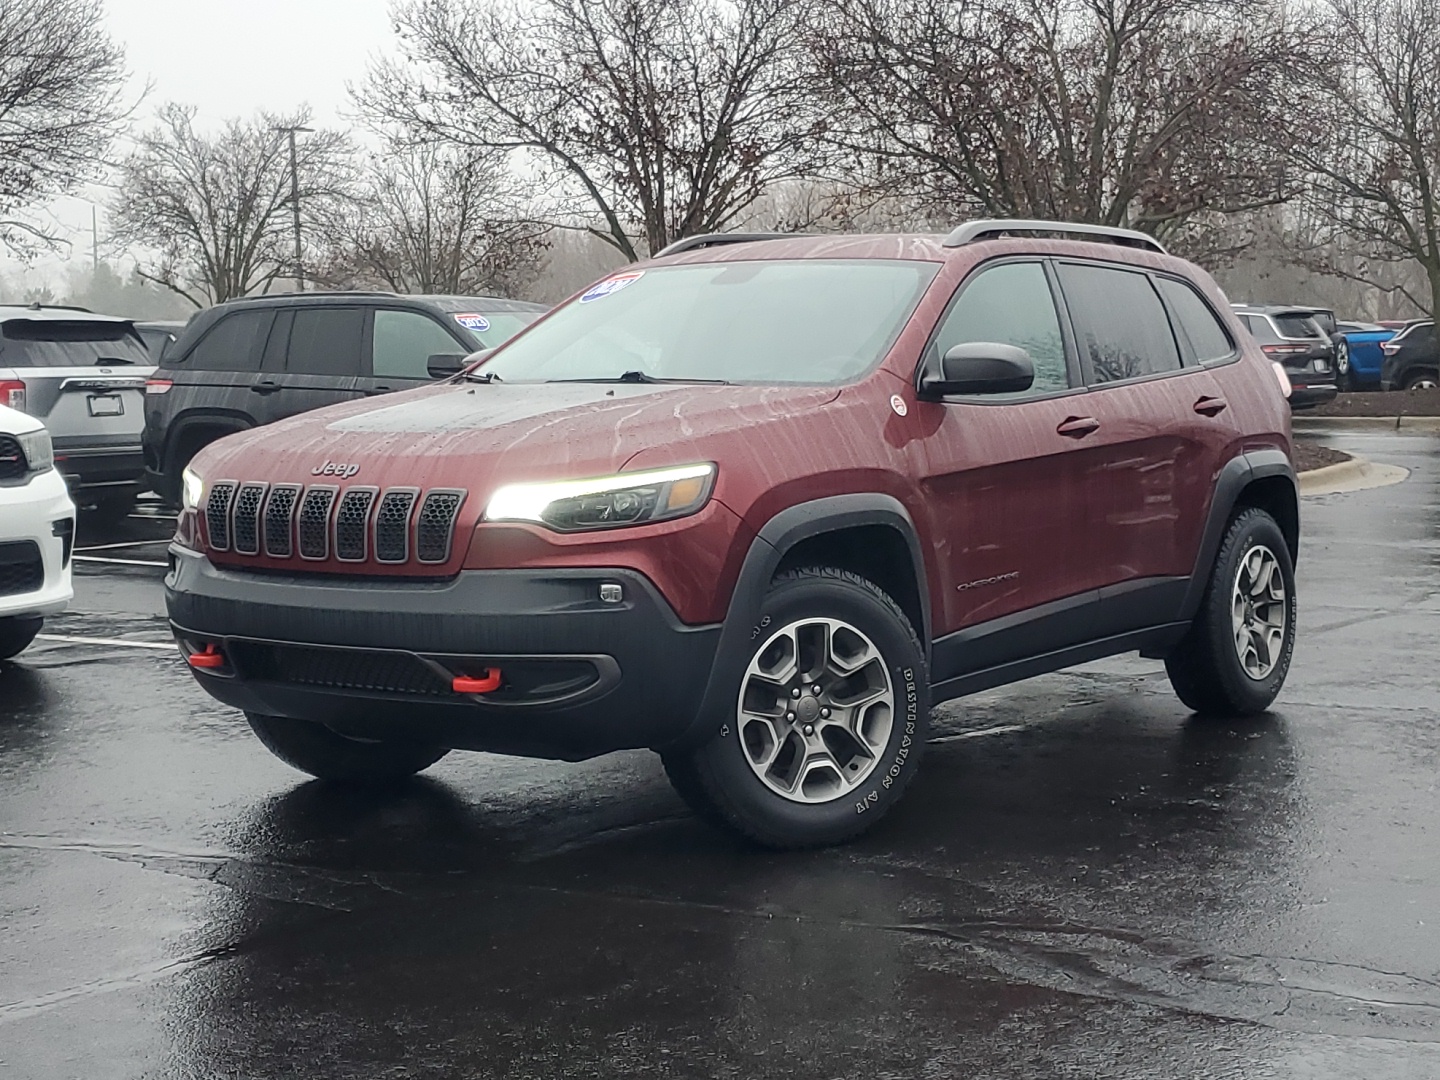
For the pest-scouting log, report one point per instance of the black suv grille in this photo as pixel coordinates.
(21, 568)
(245, 521)
(278, 513)
(392, 526)
(217, 514)
(434, 525)
(337, 669)
(12, 459)
(314, 525)
(351, 524)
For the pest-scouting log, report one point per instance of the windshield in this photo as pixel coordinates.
(58, 343)
(800, 321)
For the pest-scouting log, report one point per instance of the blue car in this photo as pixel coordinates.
(1358, 354)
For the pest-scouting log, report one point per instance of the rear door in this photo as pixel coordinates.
(215, 376)
(323, 360)
(1159, 432)
(401, 344)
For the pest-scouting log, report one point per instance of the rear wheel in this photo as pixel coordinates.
(315, 749)
(1344, 378)
(1234, 659)
(16, 634)
(1422, 380)
(829, 717)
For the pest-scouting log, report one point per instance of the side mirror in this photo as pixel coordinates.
(443, 365)
(980, 367)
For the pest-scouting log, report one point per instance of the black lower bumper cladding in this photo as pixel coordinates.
(573, 675)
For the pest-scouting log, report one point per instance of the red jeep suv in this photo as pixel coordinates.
(757, 504)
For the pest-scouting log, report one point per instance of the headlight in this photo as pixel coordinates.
(39, 451)
(606, 502)
(191, 487)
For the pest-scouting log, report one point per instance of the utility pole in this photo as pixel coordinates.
(295, 204)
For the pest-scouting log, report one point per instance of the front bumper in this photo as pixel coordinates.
(373, 658)
(40, 512)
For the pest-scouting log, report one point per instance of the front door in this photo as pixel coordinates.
(401, 344)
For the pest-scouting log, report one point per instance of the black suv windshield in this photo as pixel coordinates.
(42, 343)
(800, 321)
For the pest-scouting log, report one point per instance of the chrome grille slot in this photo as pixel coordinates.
(435, 524)
(352, 521)
(245, 519)
(217, 514)
(392, 525)
(313, 526)
(279, 513)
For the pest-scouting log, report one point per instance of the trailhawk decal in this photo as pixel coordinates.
(611, 285)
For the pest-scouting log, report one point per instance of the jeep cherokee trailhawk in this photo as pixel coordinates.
(758, 503)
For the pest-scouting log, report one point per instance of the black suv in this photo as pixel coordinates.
(1295, 339)
(1412, 359)
(250, 362)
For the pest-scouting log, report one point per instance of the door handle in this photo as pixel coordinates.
(1077, 427)
(372, 391)
(1211, 406)
(265, 387)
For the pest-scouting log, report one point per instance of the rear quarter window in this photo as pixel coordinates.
(32, 343)
(1197, 323)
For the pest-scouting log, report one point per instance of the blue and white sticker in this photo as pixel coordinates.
(471, 321)
(610, 285)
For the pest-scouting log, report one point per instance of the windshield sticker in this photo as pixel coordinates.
(477, 323)
(611, 285)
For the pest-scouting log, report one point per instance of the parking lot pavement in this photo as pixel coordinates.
(1083, 882)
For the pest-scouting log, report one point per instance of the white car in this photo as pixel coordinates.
(37, 532)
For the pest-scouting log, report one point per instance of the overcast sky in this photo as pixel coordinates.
(232, 58)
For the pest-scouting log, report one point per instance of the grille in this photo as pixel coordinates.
(314, 527)
(278, 513)
(338, 669)
(352, 521)
(12, 459)
(392, 526)
(21, 568)
(217, 514)
(434, 525)
(245, 521)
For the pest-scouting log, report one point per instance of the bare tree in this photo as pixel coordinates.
(664, 118)
(437, 218)
(1144, 113)
(217, 207)
(60, 107)
(1375, 177)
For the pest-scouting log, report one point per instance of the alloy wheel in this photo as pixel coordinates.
(1342, 357)
(1258, 612)
(816, 710)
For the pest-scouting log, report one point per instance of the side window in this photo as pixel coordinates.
(1120, 325)
(232, 344)
(1010, 304)
(325, 341)
(1207, 336)
(404, 341)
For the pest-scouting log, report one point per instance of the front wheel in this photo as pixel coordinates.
(829, 717)
(16, 634)
(315, 749)
(1234, 659)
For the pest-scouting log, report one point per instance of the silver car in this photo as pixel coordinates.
(83, 375)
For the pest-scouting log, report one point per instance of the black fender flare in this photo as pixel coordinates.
(775, 538)
(1237, 474)
(224, 422)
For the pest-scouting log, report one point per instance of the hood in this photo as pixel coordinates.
(474, 437)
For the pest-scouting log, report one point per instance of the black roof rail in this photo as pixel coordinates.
(973, 231)
(311, 294)
(35, 305)
(693, 243)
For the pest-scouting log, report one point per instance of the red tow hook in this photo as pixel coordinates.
(464, 684)
(210, 658)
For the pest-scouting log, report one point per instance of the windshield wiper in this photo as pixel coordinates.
(482, 376)
(646, 377)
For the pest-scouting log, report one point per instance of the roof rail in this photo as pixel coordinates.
(693, 243)
(972, 231)
(311, 293)
(35, 305)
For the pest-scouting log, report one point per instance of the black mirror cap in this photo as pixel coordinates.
(444, 365)
(981, 367)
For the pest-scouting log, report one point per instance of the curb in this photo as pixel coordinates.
(1357, 474)
(1366, 423)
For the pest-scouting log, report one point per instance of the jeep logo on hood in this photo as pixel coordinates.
(333, 468)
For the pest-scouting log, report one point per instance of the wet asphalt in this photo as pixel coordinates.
(1083, 882)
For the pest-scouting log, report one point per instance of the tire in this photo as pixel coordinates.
(16, 634)
(315, 749)
(1422, 380)
(1344, 378)
(786, 782)
(1206, 668)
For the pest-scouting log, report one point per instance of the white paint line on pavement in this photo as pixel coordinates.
(127, 543)
(998, 729)
(168, 646)
(120, 562)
